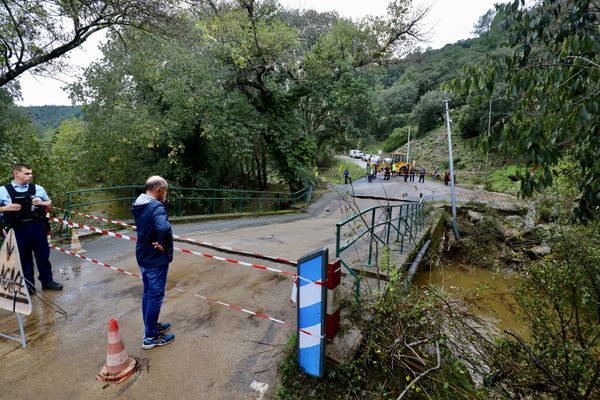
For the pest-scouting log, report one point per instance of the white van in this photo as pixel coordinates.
(356, 153)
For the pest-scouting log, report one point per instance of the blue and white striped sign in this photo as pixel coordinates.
(312, 303)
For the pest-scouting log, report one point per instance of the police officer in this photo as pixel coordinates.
(24, 207)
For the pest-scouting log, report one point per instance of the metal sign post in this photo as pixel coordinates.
(451, 162)
(312, 306)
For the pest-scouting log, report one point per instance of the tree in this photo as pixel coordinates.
(552, 72)
(429, 111)
(19, 141)
(35, 33)
(484, 23)
(260, 50)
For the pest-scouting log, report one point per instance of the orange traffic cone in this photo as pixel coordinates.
(75, 245)
(119, 366)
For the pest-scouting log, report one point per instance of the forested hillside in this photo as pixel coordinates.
(46, 117)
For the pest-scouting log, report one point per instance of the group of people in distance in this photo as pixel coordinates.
(386, 170)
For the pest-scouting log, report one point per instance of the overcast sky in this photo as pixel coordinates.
(448, 22)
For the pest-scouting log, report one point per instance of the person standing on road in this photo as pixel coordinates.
(24, 205)
(436, 174)
(347, 179)
(422, 175)
(413, 171)
(446, 177)
(154, 252)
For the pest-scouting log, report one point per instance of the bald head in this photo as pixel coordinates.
(156, 182)
(156, 187)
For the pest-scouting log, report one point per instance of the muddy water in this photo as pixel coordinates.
(491, 289)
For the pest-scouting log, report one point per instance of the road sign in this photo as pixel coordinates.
(14, 295)
(312, 305)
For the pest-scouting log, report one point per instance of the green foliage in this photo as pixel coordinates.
(35, 33)
(65, 157)
(18, 139)
(397, 139)
(239, 87)
(552, 73)
(430, 111)
(385, 364)
(335, 173)
(560, 303)
(504, 180)
(50, 117)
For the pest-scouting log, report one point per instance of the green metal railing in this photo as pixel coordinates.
(188, 201)
(380, 224)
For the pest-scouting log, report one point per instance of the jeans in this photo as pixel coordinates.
(31, 238)
(155, 280)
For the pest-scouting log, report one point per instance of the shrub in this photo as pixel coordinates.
(429, 111)
(397, 138)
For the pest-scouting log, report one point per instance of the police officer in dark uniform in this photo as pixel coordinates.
(24, 207)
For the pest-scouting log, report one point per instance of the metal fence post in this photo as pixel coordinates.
(372, 231)
(388, 224)
(213, 201)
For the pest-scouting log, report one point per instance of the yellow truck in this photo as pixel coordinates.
(400, 161)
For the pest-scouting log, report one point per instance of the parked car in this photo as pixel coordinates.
(374, 158)
(356, 153)
(365, 157)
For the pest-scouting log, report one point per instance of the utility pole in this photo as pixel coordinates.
(487, 152)
(408, 147)
(451, 161)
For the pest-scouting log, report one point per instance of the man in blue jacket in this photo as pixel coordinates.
(154, 252)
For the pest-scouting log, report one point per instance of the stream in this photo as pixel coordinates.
(460, 280)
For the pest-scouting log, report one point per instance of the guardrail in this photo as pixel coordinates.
(380, 224)
(189, 201)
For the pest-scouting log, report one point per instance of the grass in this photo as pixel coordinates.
(500, 180)
(335, 174)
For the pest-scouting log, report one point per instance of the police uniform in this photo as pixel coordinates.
(30, 227)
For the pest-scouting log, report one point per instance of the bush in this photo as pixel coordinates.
(429, 111)
(397, 138)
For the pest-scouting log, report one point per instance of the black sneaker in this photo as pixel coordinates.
(160, 340)
(55, 286)
(163, 328)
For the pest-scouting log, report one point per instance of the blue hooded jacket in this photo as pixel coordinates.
(153, 225)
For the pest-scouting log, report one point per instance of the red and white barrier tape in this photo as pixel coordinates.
(228, 249)
(196, 253)
(95, 261)
(92, 229)
(98, 218)
(195, 241)
(208, 299)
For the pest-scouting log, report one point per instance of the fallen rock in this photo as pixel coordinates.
(540, 251)
(530, 217)
(507, 233)
(475, 216)
(344, 346)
